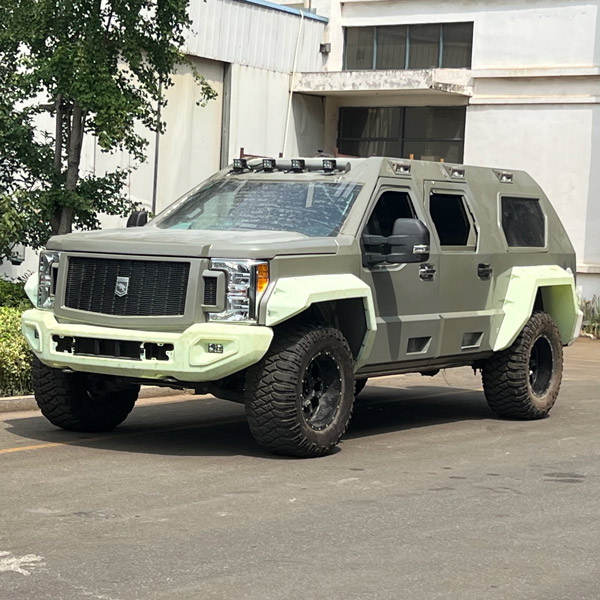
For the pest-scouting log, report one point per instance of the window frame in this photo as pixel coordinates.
(440, 61)
(389, 186)
(475, 230)
(522, 249)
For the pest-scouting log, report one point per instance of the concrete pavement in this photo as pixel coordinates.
(429, 496)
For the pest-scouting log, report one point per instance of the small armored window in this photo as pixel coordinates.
(523, 222)
(452, 221)
(391, 205)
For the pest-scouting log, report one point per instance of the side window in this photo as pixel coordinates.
(453, 222)
(391, 205)
(523, 222)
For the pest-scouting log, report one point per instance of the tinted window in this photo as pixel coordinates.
(359, 48)
(446, 45)
(458, 42)
(523, 222)
(422, 133)
(312, 208)
(450, 218)
(424, 49)
(391, 47)
(390, 206)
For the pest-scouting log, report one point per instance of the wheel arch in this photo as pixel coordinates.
(340, 300)
(549, 288)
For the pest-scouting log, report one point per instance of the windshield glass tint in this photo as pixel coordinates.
(312, 208)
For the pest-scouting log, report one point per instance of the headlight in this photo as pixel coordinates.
(48, 277)
(246, 282)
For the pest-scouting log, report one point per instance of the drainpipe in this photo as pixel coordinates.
(292, 78)
(156, 149)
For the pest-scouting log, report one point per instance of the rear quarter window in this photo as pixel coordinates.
(523, 222)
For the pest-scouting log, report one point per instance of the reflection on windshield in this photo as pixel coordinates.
(312, 208)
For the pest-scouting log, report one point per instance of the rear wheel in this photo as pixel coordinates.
(299, 397)
(523, 381)
(82, 401)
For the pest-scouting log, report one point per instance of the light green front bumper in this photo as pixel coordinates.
(190, 360)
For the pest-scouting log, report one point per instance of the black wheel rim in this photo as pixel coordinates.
(541, 366)
(321, 391)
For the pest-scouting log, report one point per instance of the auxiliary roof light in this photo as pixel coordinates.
(329, 165)
(400, 168)
(504, 176)
(240, 164)
(269, 164)
(298, 165)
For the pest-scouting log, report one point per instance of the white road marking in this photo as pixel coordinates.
(19, 564)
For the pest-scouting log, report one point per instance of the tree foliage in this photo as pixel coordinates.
(97, 67)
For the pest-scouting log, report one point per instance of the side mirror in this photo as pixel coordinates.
(409, 242)
(138, 218)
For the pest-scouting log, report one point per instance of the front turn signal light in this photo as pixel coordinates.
(262, 277)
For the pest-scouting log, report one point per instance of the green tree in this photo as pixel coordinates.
(97, 67)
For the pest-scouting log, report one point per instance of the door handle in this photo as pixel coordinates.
(484, 270)
(427, 272)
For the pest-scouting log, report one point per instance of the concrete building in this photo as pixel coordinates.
(499, 83)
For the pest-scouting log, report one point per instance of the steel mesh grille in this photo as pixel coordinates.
(210, 291)
(155, 288)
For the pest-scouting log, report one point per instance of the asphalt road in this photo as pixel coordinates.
(428, 497)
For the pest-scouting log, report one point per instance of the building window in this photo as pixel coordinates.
(421, 133)
(440, 45)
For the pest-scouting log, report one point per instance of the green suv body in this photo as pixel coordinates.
(286, 284)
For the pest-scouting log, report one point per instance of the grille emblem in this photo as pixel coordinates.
(122, 286)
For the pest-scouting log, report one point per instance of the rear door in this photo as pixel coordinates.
(466, 273)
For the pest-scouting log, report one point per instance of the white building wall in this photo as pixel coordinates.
(508, 34)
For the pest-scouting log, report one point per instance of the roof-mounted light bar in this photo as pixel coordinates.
(269, 164)
(298, 165)
(329, 165)
(240, 165)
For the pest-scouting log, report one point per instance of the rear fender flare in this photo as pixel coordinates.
(557, 288)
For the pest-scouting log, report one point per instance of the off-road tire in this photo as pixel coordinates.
(279, 386)
(81, 402)
(514, 385)
(359, 386)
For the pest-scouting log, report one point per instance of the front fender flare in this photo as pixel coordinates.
(292, 295)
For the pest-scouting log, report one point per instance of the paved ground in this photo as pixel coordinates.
(428, 497)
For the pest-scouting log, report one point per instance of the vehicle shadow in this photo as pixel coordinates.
(210, 427)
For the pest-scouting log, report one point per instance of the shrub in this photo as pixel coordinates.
(15, 356)
(591, 316)
(12, 294)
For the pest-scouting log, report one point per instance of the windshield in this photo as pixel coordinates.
(312, 208)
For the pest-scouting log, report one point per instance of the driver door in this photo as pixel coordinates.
(405, 295)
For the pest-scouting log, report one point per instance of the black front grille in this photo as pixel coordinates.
(147, 288)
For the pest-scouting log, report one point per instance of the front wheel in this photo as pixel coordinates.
(523, 381)
(299, 397)
(82, 401)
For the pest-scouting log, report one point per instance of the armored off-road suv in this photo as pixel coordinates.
(285, 284)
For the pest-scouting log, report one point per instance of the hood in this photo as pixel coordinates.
(150, 241)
